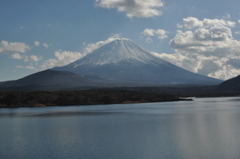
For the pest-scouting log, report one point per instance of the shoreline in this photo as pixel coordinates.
(15, 99)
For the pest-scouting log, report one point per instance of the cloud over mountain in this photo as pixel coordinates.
(207, 47)
(25, 58)
(134, 8)
(13, 47)
(158, 33)
(122, 62)
(93, 46)
(61, 58)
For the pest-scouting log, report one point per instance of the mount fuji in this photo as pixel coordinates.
(124, 63)
(120, 63)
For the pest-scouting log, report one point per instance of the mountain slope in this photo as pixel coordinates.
(116, 52)
(48, 79)
(232, 84)
(122, 62)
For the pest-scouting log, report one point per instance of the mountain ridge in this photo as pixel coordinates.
(120, 63)
(124, 62)
(47, 79)
(232, 85)
(117, 51)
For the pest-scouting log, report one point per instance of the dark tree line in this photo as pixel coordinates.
(90, 97)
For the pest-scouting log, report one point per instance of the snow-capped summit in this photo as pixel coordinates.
(117, 51)
(124, 63)
(118, 63)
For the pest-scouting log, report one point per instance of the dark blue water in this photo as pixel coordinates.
(205, 128)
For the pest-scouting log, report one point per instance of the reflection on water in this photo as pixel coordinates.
(211, 135)
(204, 128)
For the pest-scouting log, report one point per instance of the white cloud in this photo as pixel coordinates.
(93, 46)
(192, 22)
(203, 40)
(134, 8)
(25, 58)
(151, 33)
(218, 22)
(159, 33)
(14, 47)
(36, 43)
(201, 64)
(206, 47)
(45, 45)
(148, 32)
(62, 58)
(32, 58)
(16, 56)
(206, 38)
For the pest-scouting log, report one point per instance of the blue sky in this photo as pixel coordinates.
(199, 35)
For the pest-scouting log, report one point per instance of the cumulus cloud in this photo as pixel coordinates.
(203, 40)
(206, 47)
(45, 45)
(148, 32)
(159, 33)
(16, 56)
(213, 66)
(134, 8)
(62, 58)
(218, 22)
(26, 58)
(192, 22)
(207, 37)
(13, 47)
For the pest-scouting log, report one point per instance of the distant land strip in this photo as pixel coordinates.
(14, 99)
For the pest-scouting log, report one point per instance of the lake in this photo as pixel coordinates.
(206, 128)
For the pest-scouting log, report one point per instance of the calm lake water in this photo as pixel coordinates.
(207, 128)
